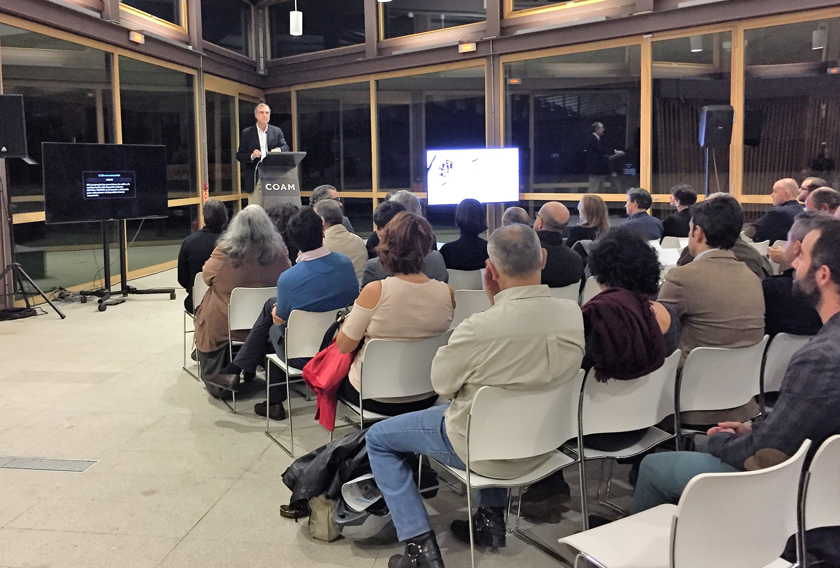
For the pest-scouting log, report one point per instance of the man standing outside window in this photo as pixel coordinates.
(254, 143)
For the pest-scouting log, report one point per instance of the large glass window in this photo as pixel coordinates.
(552, 104)
(530, 4)
(221, 143)
(792, 104)
(408, 17)
(168, 10)
(334, 130)
(155, 241)
(158, 107)
(281, 115)
(227, 23)
(67, 98)
(327, 24)
(688, 74)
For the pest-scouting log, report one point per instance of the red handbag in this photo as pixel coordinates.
(323, 374)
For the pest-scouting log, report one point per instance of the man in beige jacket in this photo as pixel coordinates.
(526, 340)
(338, 239)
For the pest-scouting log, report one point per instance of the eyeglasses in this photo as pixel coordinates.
(337, 199)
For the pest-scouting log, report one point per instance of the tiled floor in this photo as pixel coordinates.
(180, 480)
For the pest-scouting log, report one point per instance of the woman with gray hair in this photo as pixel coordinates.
(250, 254)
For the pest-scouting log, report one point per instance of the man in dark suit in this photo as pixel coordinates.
(563, 266)
(197, 248)
(683, 197)
(254, 143)
(647, 226)
(596, 157)
(774, 225)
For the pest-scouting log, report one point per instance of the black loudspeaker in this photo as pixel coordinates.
(12, 127)
(716, 126)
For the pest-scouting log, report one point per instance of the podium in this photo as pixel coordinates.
(277, 176)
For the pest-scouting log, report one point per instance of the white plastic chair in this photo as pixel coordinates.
(669, 256)
(198, 291)
(761, 247)
(624, 406)
(821, 491)
(778, 355)
(655, 245)
(744, 236)
(683, 242)
(570, 292)
(304, 334)
(714, 378)
(392, 369)
(466, 279)
(467, 303)
(691, 534)
(590, 290)
(671, 243)
(511, 424)
(774, 265)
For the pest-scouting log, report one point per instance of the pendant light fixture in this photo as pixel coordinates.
(296, 22)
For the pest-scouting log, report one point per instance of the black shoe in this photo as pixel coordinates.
(275, 411)
(248, 376)
(553, 486)
(549, 510)
(488, 528)
(420, 552)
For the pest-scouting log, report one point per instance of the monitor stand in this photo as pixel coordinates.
(105, 293)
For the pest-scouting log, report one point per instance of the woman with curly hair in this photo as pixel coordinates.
(407, 305)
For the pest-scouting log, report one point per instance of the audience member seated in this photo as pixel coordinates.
(717, 298)
(823, 199)
(338, 239)
(280, 213)
(808, 406)
(638, 203)
(784, 311)
(809, 185)
(774, 225)
(250, 254)
(515, 215)
(469, 251)
(563, 267)
(435, 268)
(683, 197)
(197, 248)
(503, 346)
(594, 220)
(407, 306)
(321, 281)
(324, 192)
(405, 198)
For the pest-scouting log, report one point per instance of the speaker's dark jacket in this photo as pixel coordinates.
(563, 266)
(676, 225)
(249, 141)
(596, 156)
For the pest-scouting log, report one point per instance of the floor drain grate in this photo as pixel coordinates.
(45, 464)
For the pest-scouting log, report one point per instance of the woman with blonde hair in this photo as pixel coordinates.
(594, 220)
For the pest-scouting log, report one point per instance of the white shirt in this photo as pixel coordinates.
(263, 136)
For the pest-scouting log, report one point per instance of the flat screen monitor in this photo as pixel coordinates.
(12, 127)
(490, 175)
(100, 182)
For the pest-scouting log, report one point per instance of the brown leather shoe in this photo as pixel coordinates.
(275, 411)
(227, 382)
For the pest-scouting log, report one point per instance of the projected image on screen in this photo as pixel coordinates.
(109, 184)
(490, 175)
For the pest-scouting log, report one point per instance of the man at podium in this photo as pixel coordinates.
(254, 143)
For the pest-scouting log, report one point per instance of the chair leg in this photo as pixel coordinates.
(419, 472)
(584, 507)
(469, 519)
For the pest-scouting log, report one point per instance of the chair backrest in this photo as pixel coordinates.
(621, 406)
(714, 378)
(671, 243)
(466, 279)
(669, 257)
(467, 303)
(305, 331)
(761, 247)
(744, 236)
(779, 352)
(683, 242)
(394, 368)
(570, 292)
(590, 290)
(737, 520)
(508, 424)
(246, 304)
(199, 289)
(822, 498)
(655, 244)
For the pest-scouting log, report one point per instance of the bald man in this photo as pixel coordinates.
(562, 266)
(823, 199)
(774, 225)
(513, 215)
(809, 185)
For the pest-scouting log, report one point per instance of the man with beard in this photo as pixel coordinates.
(808, 405)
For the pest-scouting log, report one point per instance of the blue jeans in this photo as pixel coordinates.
(663, 477)
(389, 442)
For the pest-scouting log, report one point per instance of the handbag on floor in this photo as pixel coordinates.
(322, 519)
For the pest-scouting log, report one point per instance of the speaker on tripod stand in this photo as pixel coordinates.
(715, 132)
(13, 145)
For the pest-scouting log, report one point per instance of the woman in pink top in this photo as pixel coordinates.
(407, 305)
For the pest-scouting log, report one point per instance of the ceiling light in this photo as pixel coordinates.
(383, 1)
(818, 38)
(295, 22)
(696, 44)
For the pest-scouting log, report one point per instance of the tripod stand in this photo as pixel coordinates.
(104, 294)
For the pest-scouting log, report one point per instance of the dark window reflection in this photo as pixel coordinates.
(227, 23)
(221, 140)
(327, 24)
(158, 107)
(408, 17)
(156, 241)
(528, 4)
(169, 10)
